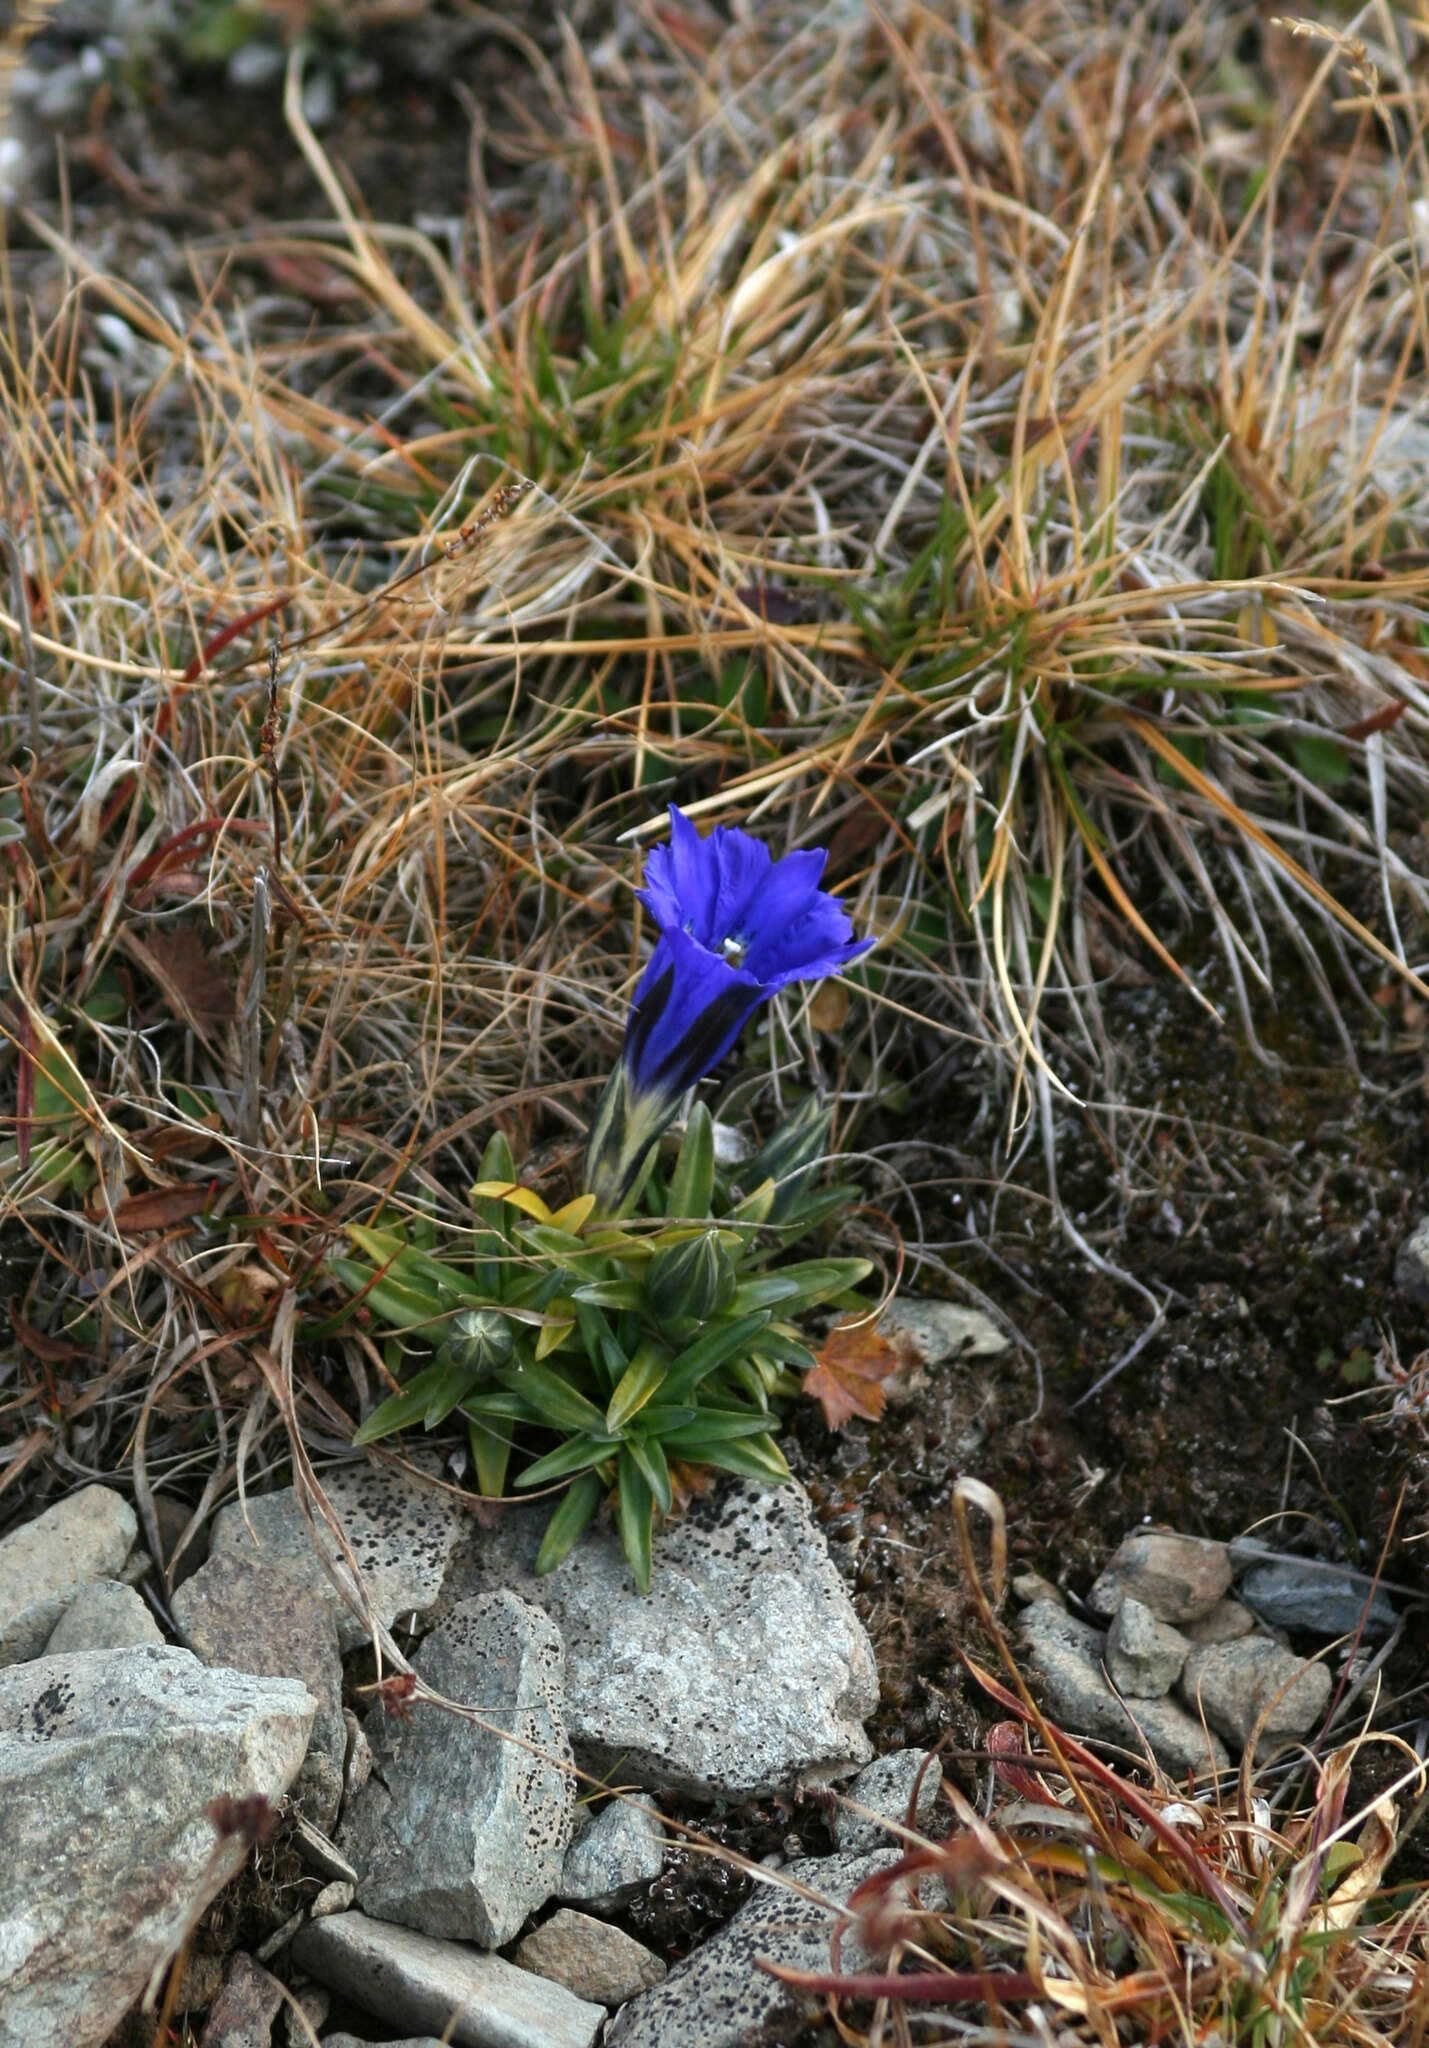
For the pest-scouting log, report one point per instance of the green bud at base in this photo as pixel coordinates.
(479, 1340)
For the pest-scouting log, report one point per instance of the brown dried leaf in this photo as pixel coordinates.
(196, 985)
(53, 1350)
(160, 1208)
(848, 1379)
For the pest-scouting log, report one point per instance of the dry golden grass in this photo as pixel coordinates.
(991, 443)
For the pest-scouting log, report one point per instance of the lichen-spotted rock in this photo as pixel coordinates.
(108, 1761)
(743, 1670)
(401, 1532)
(720, 1997)
(460, 1832)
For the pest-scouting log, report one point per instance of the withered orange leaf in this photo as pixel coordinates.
(848, 1379)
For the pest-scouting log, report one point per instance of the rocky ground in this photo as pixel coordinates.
(573, 1802)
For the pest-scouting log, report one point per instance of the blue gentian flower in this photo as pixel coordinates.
(735, 925)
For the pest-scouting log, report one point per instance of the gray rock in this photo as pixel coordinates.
(885, 1788)
(1296, 1593)
(314, 2002)
(743, 1669)
(461, 1832)
(407, 2041)
(104, 1615)
(320, 1854)
(1226, 1623)
(255, 66)
(719, 1997)
(333, 1898)
(44, 1563)
(247, 1614)
(108, 1760)
(1030, 1586)
(1144, 1656)
(612, 1857)
(63, 96)
(1065, 1654)
(1234, 1683)
(1411, 1263)
(1178, 1577)
(590, 1957)
(935, 1331)
(468, 1999)
(401, 1533)
(927, 1333)
(243, 2013)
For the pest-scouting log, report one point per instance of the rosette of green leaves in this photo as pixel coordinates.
(612, 1351)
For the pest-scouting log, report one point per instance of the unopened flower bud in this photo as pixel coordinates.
(479, 1340)
(690, 1282)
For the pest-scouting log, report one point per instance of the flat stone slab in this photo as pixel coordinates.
(245, 1612)
(465, 1998)
(719, 1997)
(741, 1672)
(461, 1832)
(401, 1533)
(591, 1958)
(1289, 1593)
(108, 1760)
(44, 1563)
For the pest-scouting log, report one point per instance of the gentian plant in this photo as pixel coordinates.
(648, 1323)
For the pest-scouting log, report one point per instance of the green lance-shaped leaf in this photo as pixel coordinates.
(634, 1516)
(576, 1454)
(801, 1286)
(399, 1307)
(577, 1508)
(692, 1183)
(490, 1454)
(690, 1282)
(708, 1351)
(496, 1161)
(753, 1457)
(427, 1398)
(558, 1404)
(616, 1294)
(791, 1156)
(641, 1381)
(710, 1426)
(650, 1458)
(408, 1267)
(757, 1206)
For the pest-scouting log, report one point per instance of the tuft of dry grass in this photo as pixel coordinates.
(988, 449)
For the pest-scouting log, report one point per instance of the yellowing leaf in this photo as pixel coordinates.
(511, 1191)
(574, 1214)
(852, 1366)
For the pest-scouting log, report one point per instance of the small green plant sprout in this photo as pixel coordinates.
(651, 1322)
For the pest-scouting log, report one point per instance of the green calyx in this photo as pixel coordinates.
(595, 1356)
(690, 1282)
